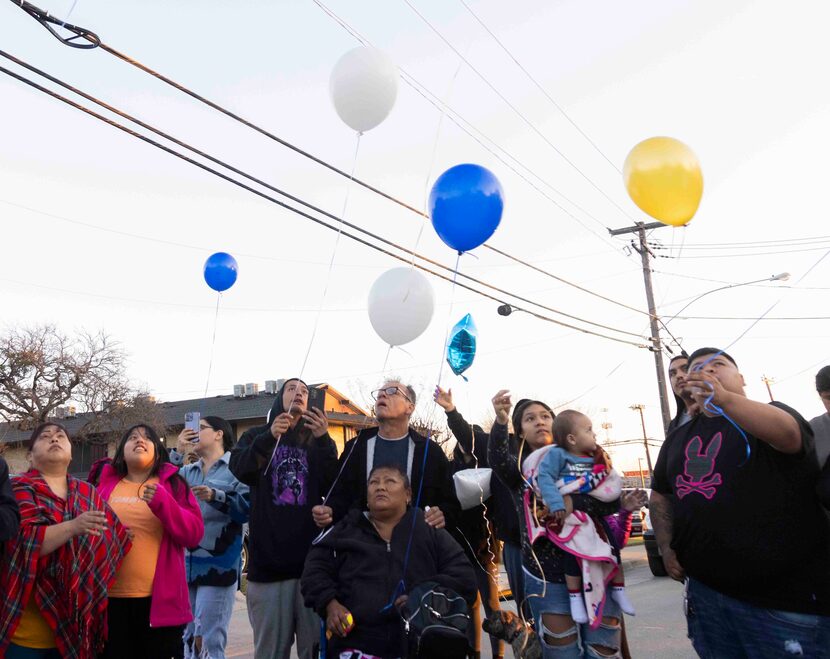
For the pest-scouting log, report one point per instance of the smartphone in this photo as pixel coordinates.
(191, 422)
(317, 398)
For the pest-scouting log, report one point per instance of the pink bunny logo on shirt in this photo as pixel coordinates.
(699, 467)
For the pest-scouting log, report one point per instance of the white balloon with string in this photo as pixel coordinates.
(401, 305)
(363, 87)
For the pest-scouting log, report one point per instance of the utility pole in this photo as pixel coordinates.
(768, 381)
(642, 478)
(656, 343)
(640, 407)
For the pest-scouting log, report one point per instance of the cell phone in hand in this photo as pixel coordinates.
(317, 398)
(191, 422)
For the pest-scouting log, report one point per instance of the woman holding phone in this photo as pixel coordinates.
(213, 566)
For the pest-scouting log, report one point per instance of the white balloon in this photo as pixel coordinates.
(401, 303)
(363, 87)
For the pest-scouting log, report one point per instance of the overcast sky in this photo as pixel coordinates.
(105, 232)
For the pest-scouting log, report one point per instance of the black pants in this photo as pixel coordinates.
(131, 637)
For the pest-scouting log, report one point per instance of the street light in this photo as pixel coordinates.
(783, 276)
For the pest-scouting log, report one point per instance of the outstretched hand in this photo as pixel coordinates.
(444, 399)
(502, 405)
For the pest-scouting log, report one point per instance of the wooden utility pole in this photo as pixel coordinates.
(656, 343)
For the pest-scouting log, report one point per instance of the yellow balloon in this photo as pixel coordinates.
(663, 177)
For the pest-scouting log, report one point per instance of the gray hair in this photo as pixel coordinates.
(410, 392)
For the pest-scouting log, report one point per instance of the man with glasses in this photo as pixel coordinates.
(393, 442)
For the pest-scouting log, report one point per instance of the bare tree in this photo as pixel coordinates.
(42, 368)
(110, 423)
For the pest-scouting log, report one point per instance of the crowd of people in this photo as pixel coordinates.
(372, 555)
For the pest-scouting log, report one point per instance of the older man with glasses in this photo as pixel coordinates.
(393, 442)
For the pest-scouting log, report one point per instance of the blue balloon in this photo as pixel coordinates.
(465, 205)
(220, 271)
(461, 350)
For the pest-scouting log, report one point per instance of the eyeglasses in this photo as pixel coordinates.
(389, 391)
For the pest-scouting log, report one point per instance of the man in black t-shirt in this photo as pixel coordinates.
(735, 512)
(393, 442)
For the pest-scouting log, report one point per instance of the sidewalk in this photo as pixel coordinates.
(240, 636)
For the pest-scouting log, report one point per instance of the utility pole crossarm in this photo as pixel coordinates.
(636, 228)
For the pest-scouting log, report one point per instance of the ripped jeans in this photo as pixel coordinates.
(545, 597)
(721, 626)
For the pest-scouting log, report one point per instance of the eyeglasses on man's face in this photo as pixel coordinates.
(390, 391)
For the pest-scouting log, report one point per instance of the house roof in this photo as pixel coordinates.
(226, 406)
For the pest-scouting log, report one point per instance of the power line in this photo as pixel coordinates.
(315, 219)
(516, 110)
(293, 198)
(174, 243)
(730, 256)
(320, 161)
(468, 128)
(751, 318)
(364, 184)
(706, 248)
(761, 242)
(538, 85)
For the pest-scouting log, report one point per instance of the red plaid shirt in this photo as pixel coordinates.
(70, 584)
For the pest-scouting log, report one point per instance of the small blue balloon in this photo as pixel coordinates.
(461, 350)
(465, 205)
(220, 271)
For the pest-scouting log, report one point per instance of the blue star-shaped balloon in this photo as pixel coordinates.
(461, 349)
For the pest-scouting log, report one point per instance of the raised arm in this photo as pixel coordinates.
(770, 424)
(502, 460)
(250, 456)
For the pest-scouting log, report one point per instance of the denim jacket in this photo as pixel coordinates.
(216, 561)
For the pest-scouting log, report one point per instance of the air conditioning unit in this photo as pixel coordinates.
(271, 387)
(70, 412)
(251, 388)
(239, 391)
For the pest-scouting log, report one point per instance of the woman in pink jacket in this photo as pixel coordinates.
(148, 603)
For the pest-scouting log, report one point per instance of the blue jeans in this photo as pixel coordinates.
(511, 556)
(545, 597)
(212, 607)
(721, 626)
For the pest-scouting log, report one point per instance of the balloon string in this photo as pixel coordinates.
(212, 347)
(333, 254)
(400, 588)
(386, 359)
(432, 160)
(449, 320)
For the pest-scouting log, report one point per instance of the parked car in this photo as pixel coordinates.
(636, 518)
(655, 559)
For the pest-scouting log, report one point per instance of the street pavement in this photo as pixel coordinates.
(657, 631)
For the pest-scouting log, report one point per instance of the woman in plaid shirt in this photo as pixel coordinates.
(55, 573)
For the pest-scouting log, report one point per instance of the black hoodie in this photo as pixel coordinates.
(283, 491)
(438, 490)
(354, 565)
(9, 513)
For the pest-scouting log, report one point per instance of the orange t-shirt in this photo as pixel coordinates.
(135, 576)
(33, 631)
